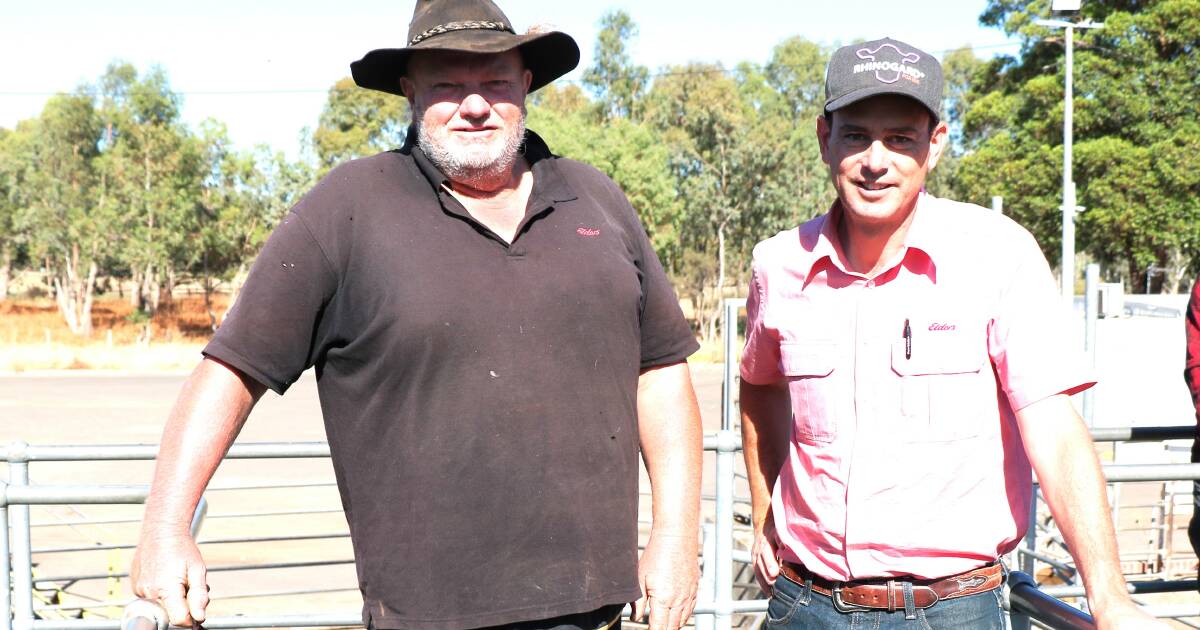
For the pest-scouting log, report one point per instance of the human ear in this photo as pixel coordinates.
(823, 132)
(937, 143)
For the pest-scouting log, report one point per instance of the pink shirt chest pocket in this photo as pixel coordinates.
(947, 387)
(816, 388)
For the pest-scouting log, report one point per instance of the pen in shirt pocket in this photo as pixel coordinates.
(907, 340)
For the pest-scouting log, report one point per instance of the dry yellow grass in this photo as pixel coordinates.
(33, 336)
(154, 357)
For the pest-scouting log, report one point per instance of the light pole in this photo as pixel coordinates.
(1069, 205)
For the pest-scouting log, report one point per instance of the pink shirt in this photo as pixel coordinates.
(905, 457)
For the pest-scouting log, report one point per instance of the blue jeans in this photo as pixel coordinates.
(798, 606)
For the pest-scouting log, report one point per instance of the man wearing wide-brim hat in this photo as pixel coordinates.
(494, 341)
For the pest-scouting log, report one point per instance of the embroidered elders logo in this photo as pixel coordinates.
(589, 232)
(889, 64)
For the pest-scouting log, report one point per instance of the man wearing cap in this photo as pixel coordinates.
(494, 340)
(906, 361)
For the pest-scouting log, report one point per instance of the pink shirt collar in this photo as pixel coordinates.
(918, 255)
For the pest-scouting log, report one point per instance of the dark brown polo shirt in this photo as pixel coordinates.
(480, 398)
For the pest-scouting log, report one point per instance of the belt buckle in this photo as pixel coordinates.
(840, 604)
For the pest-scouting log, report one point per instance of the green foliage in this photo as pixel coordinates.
(1135, 128)
(628, 152)
(108, 180)
(617, 83)
(744, 167)
(357, 123)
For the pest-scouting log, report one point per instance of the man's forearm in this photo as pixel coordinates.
(208, 414)
(1072, 482)
(766, 429)
(671, 438)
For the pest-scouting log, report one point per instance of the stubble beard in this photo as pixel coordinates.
(478, 165)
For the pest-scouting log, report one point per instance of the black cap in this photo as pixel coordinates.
(884, 66)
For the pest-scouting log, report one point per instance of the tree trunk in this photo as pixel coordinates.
(89, 289)
(148, 291)
(74, 294)
(167, 291)
(5, 270)
(135, 292)
(718, 299)
(239, 280)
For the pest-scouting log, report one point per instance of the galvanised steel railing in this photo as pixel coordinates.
(716, 604)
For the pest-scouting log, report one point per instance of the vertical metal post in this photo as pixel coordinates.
(707, 594)
(1069, 202)
(1091, 303)
(1018, 620)
(998, 204)
(5, 583)
(729, 329)
(22, 551)
(727, 444)
(1028, 562)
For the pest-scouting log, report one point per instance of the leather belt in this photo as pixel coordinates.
(888, 593)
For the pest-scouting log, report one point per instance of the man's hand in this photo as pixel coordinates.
(210, 410)
(1128, 616)
(668, 574)
(170, 570)
(766, 562)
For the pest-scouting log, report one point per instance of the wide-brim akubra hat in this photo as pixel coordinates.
(471, 26)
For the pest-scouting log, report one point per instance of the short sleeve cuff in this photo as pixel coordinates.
(1023, 397)
(223, 353)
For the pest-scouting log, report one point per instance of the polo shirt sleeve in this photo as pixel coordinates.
(760, 356)
(666, 337)
(276, 328)
(1034, 348)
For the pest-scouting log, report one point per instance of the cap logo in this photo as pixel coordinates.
(889, 65)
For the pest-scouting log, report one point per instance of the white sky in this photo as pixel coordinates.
(263, 66)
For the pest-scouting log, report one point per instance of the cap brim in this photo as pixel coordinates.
(876, 90)
(548, 56)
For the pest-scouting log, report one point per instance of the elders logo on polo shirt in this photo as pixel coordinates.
(889, 64)
(589, 232)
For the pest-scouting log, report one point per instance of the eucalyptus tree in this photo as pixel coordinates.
(68, 215)
(1136, 133)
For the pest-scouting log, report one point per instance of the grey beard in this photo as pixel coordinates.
(473, 170)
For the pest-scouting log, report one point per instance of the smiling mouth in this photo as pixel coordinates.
(873, 186)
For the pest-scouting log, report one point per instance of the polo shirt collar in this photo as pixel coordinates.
(920, 242)
(549, 185)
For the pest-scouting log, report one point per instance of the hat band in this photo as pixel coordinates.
(473, 25)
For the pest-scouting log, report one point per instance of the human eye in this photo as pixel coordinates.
(901, 141)
(442, 88)
(855, 137)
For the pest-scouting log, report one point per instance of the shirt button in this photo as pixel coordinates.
(870, 284)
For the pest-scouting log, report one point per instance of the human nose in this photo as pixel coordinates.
(474, 106)
(877, 157)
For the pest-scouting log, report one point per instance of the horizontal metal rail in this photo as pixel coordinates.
(119, 521)
(216, 569)
(1149, 587)
(1024, 597)
(1150, 472)
(22, 452)
(1144, 434)
(211, 541)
